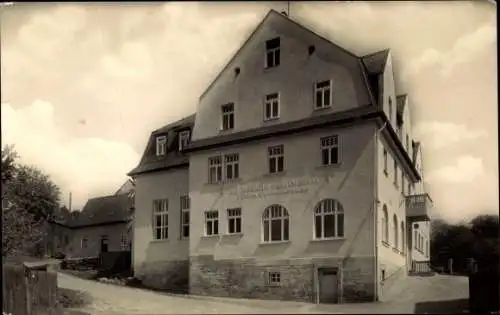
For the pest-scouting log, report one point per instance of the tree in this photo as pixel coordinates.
(29, 198)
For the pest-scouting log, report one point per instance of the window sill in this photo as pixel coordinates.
(270, 120)
(211, 236)
(225, 182)
(270, 68)
(328, 166)
(278, 174)
(160, 241)
(386, 244)
(273, 243)
(233, 235)
(322, 108)
(328, 239)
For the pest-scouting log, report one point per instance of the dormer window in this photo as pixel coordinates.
(273, 52)
(184, 138)
(161, 145)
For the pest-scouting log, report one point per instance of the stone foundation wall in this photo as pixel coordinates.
(166, 275)
(248, 278)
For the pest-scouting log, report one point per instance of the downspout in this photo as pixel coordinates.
(375, 212)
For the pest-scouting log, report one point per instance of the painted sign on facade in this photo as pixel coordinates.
(262, 190)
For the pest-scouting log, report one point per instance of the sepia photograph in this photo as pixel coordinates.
(249, 157)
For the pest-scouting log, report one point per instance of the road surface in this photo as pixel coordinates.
(115, 299)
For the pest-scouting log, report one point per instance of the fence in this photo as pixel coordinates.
(421, 267)
(28, 292)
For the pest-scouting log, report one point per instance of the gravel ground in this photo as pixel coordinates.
(421, 295)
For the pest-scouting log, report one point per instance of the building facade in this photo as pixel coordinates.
(303, 177)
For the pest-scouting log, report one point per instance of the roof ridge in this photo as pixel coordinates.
(377, 52)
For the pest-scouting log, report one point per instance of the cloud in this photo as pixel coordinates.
(438, 134)
(463, 50)
(466, 169)
(84, 166)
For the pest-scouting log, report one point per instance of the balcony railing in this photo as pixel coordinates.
(418, 207)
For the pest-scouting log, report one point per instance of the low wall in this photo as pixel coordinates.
(248, 278)
(170, 276)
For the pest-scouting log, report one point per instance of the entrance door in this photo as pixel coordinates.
(328, 285)
(104, 244)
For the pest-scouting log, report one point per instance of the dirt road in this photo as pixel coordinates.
(113, 299)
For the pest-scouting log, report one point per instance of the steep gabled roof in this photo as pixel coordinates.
(375, 62)
(365, 78)
(102, 210)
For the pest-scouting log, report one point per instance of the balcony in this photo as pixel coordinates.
(418, 207)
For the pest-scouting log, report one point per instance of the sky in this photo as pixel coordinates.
(83, 85)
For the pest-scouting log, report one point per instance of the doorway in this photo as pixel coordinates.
(328, 281)
(104, 244)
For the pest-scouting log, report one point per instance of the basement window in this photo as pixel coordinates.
(274, 278)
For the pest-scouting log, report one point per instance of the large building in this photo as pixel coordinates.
(298, 178)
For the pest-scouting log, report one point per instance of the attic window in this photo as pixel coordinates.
(161, 144)
(273, 52)
(311, 49)
(184, 137)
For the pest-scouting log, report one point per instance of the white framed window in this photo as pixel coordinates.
(124, 241)
(232, 169)
(275, 221)
(390, 109)
(234, 220)
(403, 183)
(84, 242)
(328, 219)
(184, 138)
(215, 169)
(211, 222)
(227, 116)
(330, 150)
(323, 94)
(396, 231)
(273, 52)
(395, 173)
(385, 224)
(385, 162)
(276, 159)
(274, 278)
(185, 205)
(403, 241)
(272, 106)
(161, 145)
(160, 219)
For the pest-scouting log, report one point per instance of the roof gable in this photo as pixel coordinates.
(278, 18)
(375, 62)
(107, 209)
